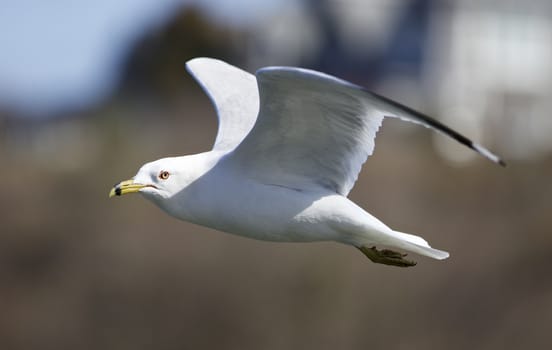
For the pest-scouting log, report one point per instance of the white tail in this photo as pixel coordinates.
(418, 245)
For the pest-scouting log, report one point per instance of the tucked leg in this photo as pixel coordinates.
(386, 257)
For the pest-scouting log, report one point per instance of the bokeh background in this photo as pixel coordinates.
(90, 90)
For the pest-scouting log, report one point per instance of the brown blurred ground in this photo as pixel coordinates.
(81, 271)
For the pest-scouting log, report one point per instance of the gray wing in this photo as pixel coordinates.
(234, 95)
(315, 131)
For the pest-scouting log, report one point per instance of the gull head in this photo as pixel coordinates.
(158, 180)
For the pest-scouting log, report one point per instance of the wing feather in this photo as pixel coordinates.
(312, 131)
(234, 95)
(315, 131)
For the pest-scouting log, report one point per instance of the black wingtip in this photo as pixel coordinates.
(487, 154)
(430, 122)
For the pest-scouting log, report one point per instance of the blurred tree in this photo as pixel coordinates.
(155, 64)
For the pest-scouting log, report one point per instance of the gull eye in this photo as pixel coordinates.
(164, 175)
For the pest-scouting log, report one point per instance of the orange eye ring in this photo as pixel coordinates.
(164, 175)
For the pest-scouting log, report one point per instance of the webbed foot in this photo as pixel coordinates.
(386, 257)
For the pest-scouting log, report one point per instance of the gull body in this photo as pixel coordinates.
(288, 150)
(272, 212)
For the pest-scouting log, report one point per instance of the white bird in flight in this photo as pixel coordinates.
(289, 147)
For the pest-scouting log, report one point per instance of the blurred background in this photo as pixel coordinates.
(90, 90)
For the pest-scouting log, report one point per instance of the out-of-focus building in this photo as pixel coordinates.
(489, 65)
(480, 66)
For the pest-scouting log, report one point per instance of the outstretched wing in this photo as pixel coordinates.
(234, 95)
(314, 130)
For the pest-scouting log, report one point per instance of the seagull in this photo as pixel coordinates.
(289, 147)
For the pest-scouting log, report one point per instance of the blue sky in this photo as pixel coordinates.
(65, 53)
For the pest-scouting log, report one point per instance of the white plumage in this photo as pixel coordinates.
(289, 148)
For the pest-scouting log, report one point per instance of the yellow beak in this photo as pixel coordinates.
(124, 187)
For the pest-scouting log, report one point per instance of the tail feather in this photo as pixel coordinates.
(418, 245)
(412, 238)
